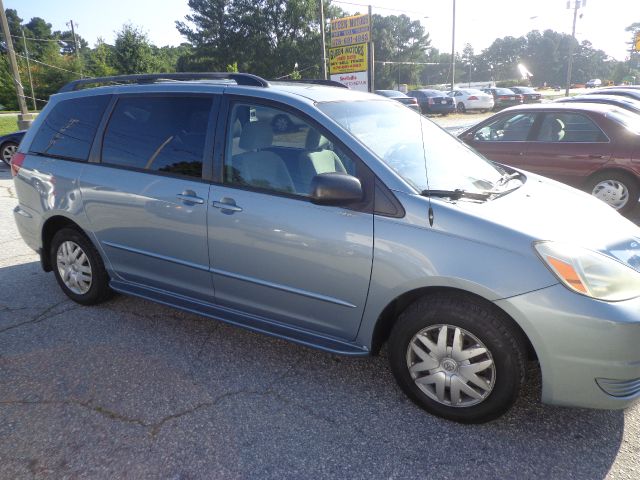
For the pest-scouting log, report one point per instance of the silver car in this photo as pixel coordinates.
(364, 225)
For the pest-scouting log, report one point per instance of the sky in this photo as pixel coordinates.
(602, 22)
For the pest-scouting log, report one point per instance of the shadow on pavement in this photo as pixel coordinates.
(131, 388)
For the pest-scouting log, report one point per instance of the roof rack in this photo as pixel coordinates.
(318, 81)
(240, 79)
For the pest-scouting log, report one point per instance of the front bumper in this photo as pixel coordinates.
(589, 350)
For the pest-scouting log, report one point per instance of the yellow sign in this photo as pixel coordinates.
(636, 43)
(350, 30)
(349, 59)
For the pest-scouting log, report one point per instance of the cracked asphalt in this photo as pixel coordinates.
(131, 389)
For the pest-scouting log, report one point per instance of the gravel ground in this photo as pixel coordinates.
(131, 389)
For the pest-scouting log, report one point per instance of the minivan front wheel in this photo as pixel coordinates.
(78, 268)
(458, 358)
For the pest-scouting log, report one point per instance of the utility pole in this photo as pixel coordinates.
(372, 53)
(577, 5)
(324, 45)
(75, 44)
(24, 118)
(26, 54)
(453, 47)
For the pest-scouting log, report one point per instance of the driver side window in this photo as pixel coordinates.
(508, 128)
(273, 149)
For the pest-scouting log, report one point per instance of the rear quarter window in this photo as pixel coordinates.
(69, 128)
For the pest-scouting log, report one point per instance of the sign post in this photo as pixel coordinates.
(349, 55)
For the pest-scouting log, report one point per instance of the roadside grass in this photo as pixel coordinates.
(8, 124)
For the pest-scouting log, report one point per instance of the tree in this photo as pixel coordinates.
(100, 60)
(266, 37)
(132, 51)
(398, 39)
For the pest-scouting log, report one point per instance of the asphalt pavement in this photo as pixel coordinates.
(131, 389)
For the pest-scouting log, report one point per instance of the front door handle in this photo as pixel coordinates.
(227, 204)
(189, 197)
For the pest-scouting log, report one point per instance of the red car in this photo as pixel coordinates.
(594, 147)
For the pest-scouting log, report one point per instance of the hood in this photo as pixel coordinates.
(541, 209)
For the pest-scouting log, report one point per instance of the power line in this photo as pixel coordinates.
(40, 39)
(52, 66)
(380, 8)
(388, 62)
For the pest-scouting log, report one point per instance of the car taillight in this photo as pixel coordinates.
(430, 101)
(472, 97)
(503, 97)
(414, 101)
(16, 163)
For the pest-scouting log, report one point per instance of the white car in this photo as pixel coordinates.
(593, 83)
(471, 99)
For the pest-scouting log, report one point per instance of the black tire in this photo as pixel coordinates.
(99, 289)
(629, 183)
(461, 108)
(7, 150)
(281, 123)
(489, 325)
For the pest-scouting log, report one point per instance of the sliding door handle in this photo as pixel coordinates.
(227, 204)
(190, 198)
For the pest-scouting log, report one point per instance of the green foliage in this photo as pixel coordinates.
(8, 97)
(268, 35)
(233, 67)
(132, 51)
(398, 39)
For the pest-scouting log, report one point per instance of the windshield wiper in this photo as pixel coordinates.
(456, 194)
(508, 176)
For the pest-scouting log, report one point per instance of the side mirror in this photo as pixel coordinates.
(335, 188)
(468, 137)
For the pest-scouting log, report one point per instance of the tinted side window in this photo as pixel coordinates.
(164, 134)
(569, 128)
(68, 130)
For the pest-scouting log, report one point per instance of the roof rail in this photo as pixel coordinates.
(318, 81)
(240, 79)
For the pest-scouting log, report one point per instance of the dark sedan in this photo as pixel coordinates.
(618, 91)
(9, 144)
(529, 95)
(433, 101)
(400, 97)
(627, 103)
(503, 97)
(590, 146)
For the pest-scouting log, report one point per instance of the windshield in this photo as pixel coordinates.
(403, 139)
(629, 120)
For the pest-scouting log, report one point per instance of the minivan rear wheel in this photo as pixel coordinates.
(78, 267)
(458, 357)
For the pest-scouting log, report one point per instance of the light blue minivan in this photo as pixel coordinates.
(354, 223)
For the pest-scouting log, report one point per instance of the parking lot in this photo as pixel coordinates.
(132, 389)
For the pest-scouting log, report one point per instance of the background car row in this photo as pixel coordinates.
(588, 145)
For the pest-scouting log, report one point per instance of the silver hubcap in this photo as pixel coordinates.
(451, 366)
(612, 192)
(74, 267)
(7, 152)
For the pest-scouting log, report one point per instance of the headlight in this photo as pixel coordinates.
(590, 273)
